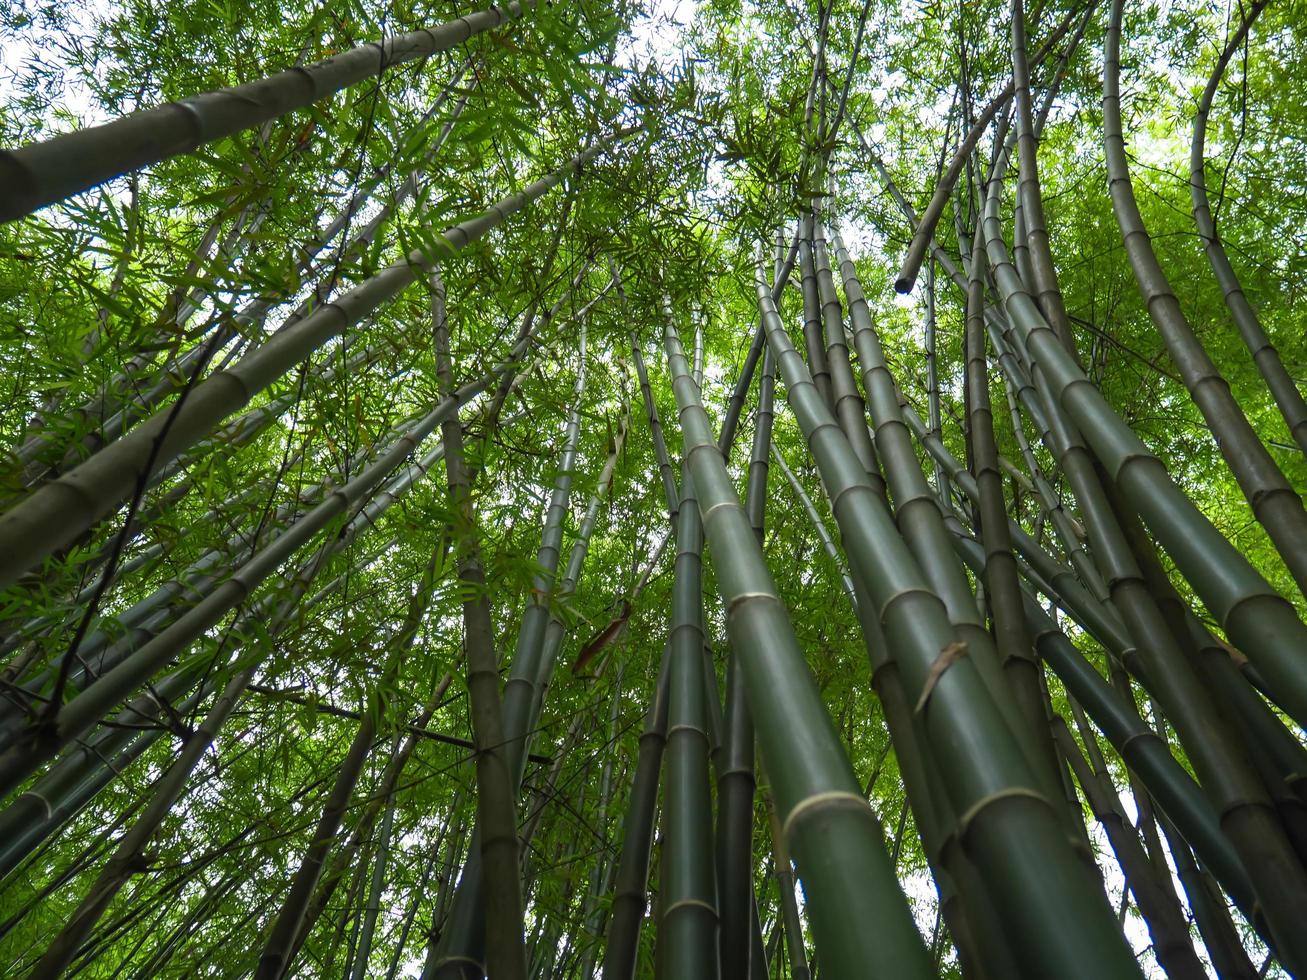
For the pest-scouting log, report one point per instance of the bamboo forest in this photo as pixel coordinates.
(676, 488)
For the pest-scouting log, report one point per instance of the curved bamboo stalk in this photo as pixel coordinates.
(1275, 504)
(42, 173)
(1256, 618)
(1287, 397)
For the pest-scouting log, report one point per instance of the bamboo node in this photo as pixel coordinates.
(687, 902)
(837, 797)
(950, 655)
(964, 820)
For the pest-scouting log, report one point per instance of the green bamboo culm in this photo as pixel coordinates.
(860, 919)
(42, 173)
(1010, 828)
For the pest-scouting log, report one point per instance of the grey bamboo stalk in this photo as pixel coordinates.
(522, 694)
(1275, 503)
(1283, 389)
(665, 470)
(402, 642)
(1211, 914)
(735, 405)
(520, 688)
(496, 794)
(818, 797)
(603, 868)
(372, 908)
(630, 899)
(60, 510)
(42, 173)
(999, 793)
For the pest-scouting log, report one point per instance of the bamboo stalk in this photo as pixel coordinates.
(817, 795)
(60, 510)
(42, 173)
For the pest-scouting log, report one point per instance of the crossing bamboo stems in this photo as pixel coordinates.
(60, 510)
(496, 789)
(1134, 741)
(731, 420)
(1000, 575)
(1255, 617)
(83, 711)
(846, 402)
(924, 232)
(1166, 923)
(1245, 809)
(789, 905)
(828, 544)
(275, 959)
(525, 669)
(1009, 827)
(859, 916)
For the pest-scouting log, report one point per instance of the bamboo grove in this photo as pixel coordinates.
(707, 490)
